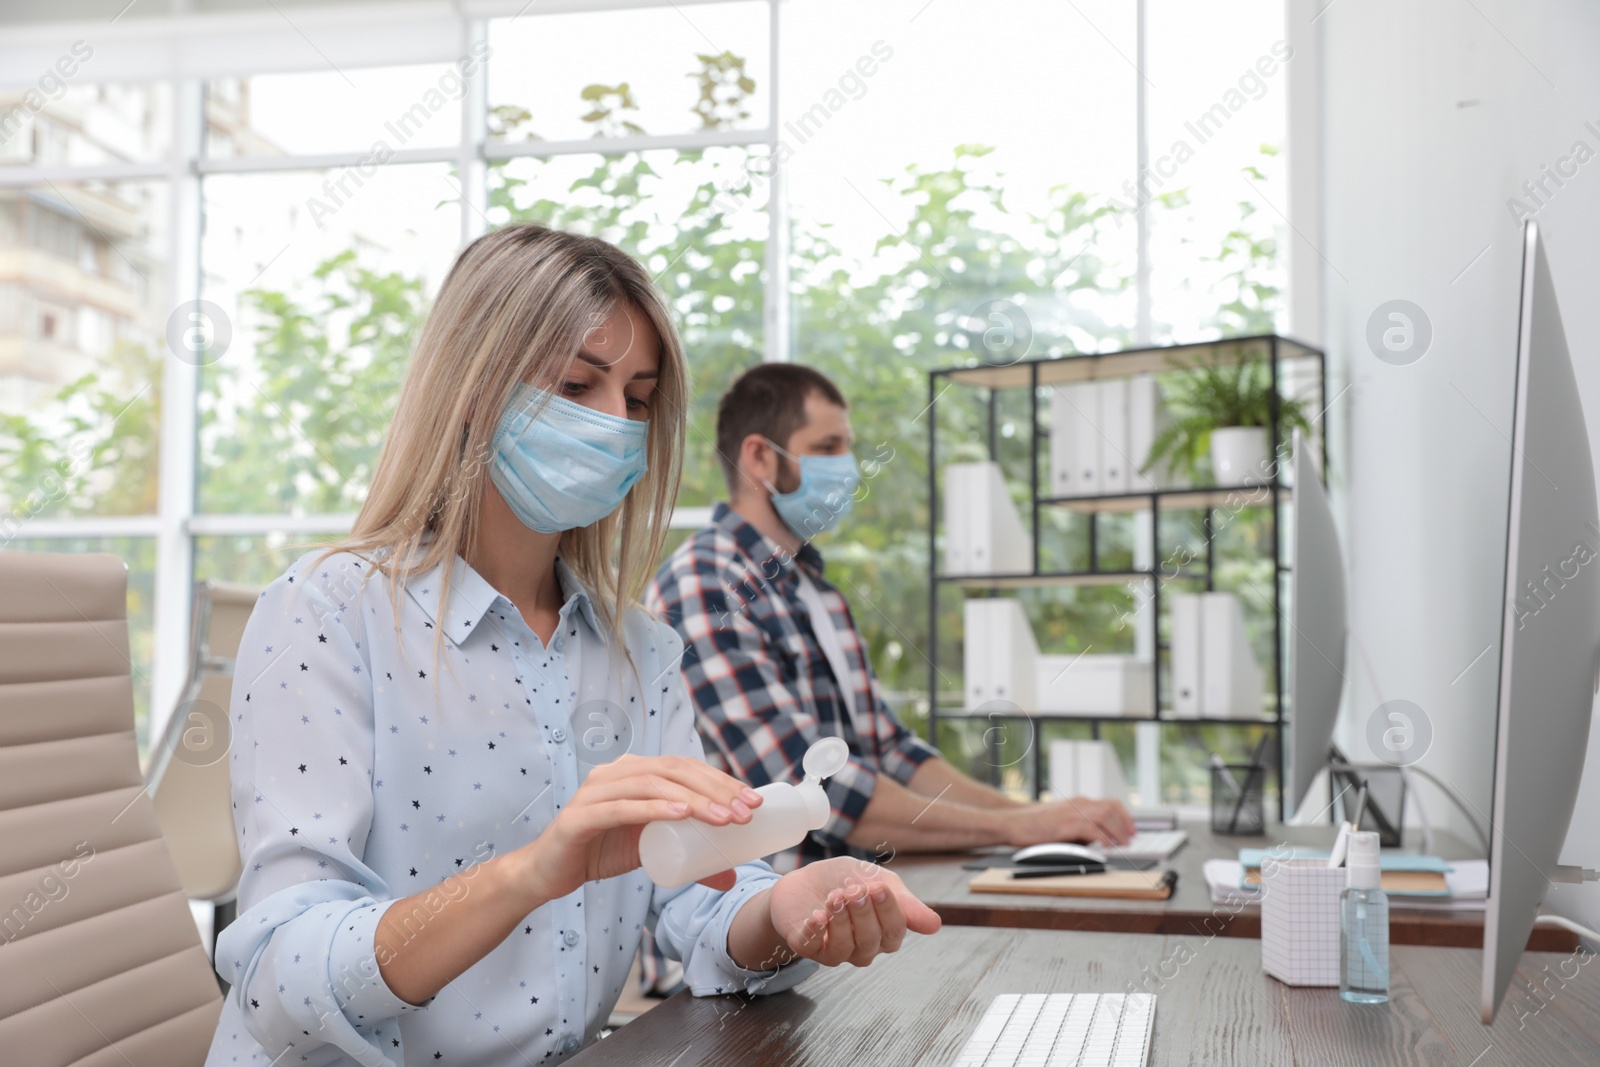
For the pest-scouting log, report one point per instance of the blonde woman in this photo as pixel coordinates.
(438, 820)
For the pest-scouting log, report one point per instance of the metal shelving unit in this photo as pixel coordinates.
(1035, 374)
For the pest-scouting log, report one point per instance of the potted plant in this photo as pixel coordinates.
(1222, 412)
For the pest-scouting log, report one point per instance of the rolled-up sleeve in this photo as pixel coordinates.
(301, 955)
(903, 751)
(691, 923)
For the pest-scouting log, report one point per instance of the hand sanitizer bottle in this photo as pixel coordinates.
(677, 853)
(1364, 926)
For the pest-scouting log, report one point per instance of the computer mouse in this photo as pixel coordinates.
(1058, 853)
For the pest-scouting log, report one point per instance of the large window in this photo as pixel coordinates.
(842, 184)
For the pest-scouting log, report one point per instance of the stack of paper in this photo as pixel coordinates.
(1225, 879)
(983, 533)
(1096, 685)
(1100, 435)
(1214, 671)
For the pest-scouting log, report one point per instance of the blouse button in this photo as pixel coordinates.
(558, 735)
(570, 937)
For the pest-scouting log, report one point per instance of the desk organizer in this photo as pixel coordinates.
(1300, 921)
(1238, 799)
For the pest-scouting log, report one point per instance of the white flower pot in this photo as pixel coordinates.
(1239, 455)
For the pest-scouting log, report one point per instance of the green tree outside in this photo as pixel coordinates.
(299, 427)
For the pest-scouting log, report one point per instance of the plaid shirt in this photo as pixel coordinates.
(760, 681)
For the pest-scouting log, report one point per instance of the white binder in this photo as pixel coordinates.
(1146, 419)
(983, 529)
(1085, 396)
(1114, 457)
(1063, 442)
(999, 653)
(1186, 655)
(1086, 769)
(1214, 672)
(1231, 680)
(959, 480)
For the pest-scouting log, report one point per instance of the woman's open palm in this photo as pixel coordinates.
(846, 910)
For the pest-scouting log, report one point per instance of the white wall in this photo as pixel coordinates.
(1435, 112)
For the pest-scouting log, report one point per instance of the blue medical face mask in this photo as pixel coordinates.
(562, 465)
(824, 495)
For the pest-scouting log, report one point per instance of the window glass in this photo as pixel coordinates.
(59, 121)
(321, 280)
(83, 314)
(372, 109)
(661, 70)
(1217, 180)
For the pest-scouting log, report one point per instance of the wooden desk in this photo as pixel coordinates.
(940, 880)
(920, 1005)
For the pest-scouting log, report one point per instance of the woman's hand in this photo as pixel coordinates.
(597, 834)
(845, 911)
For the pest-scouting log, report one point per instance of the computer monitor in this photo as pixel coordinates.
(1317, 629)
(1549, 628)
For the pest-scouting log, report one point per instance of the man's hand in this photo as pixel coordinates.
(846, 911)
(1079, 819)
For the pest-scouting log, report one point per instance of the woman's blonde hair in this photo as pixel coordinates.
(516, 307)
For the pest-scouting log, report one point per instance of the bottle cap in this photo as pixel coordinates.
(826, 758)
(1362, 861)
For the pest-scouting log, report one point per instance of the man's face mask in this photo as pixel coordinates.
(824, 495)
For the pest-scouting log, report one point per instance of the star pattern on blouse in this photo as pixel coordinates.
(473, 797)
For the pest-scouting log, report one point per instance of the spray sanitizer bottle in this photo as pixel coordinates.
(1364, 926)
(677, 853)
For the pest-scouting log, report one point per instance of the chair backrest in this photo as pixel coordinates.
(188, 776)
(100, 961)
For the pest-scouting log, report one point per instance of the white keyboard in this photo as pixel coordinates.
(1063, 1030)
(1151, 845)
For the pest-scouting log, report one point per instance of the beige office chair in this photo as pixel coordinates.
(101, 965)
(188, 775)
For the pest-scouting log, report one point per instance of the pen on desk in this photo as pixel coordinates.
(1256, 771)
(1227, 775)
(1050, 872)
(1341, 840)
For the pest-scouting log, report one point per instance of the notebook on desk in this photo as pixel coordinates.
(1115, 885)
(1402, 873)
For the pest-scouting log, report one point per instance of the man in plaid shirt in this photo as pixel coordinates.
(774, 661)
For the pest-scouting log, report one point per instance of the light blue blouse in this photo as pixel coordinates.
(369, 765)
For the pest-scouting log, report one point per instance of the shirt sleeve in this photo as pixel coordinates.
(903, 751)
(746, 710)
(691, 922)
(301, 955)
